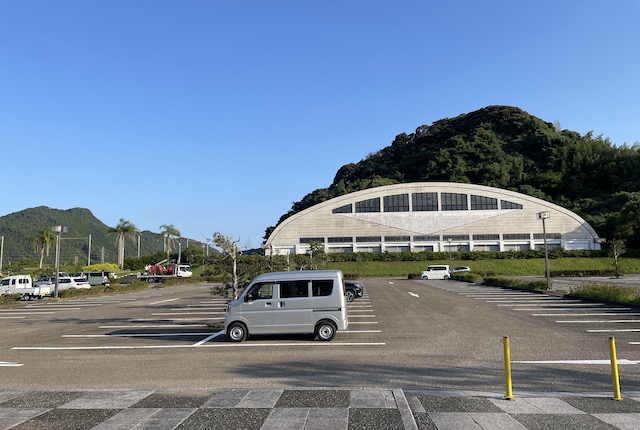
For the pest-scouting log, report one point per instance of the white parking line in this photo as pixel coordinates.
(12, 318)
(28, 313)
(598, 362)
(560, 308)
(614, 330)
(600, 321)
(186, 313)
(213, 336)
(363, 322)
(9, 364)
(135, 335)
(153, 326)
(176, 319)
(165, 301)
(209, 345)
(599, 314)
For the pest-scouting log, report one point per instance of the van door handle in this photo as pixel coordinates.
(281, 304)
(268, 305)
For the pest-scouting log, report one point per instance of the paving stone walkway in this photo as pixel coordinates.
(326, 409)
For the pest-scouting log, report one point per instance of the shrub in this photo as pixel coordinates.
(499, 281)
(7, 299)
(607, 292)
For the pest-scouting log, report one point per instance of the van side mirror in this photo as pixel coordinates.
(247, 298)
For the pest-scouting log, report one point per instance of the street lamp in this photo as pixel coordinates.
(543, 216)
(449, 239)
(58, 230)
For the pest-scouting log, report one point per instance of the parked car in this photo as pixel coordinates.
(353, 290)
(64, 283)
(461, 269)
(436, 271)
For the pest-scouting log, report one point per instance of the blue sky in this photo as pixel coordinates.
(218, 115)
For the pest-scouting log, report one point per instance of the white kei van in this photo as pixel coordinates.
(436, 271)
(310, 301)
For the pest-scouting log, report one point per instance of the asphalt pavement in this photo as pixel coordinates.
(307, 409)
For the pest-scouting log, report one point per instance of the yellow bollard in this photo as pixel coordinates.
(507, 368)
(615, 378)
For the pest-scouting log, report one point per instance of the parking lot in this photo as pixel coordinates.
(402, 333)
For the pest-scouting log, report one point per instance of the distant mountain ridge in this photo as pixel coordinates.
(20, 227)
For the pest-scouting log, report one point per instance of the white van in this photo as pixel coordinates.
(22, 284)
(310, 301)
(436, 271)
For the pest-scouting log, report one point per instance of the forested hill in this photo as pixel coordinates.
(505, 147)
(21, 227)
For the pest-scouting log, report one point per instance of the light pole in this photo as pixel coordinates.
(449, 239)
(58, 230)
(1, 252)
(543, 216)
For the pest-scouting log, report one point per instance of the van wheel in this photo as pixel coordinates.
(326, 330)
(446, 277)
(350, 295)
(237, 332)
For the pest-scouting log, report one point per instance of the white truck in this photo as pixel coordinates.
(23, 285)
(162, 270)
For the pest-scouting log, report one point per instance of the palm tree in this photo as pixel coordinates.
(123, 229)
(42, 243)
(168, 233)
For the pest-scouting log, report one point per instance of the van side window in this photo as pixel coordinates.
(294, 289)
(262, 290)
(322, 287)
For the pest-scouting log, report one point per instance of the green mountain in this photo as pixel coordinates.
(20, 227)
(505, 147)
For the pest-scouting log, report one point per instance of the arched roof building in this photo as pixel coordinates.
(431, 216)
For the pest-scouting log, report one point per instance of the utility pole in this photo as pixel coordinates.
(543, 216)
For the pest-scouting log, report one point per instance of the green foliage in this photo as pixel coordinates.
(499, 281)
(505, 147)
(609, 292)
(9, 299)
(105, 267)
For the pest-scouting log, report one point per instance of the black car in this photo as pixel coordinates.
(353, 290)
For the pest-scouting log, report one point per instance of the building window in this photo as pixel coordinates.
(435, 238)
(454, 202)
(341, 239)
(312, 239)
(396, 203)
(424, 201)
(446, 237)
(504, 204)
(516, 236)
(346, 209)
(369, 239)
(549, 236)
(371, 205)
(397, 238)
(486, 237)
(483, 203)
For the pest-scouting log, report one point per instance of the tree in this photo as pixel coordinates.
(617, 249)
(122, 230)
(42, 243)
(168, 233)
(230, 250)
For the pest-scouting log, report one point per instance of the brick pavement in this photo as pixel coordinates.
(326, 409)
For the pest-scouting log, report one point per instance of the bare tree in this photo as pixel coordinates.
(617, 249)
(230, 250)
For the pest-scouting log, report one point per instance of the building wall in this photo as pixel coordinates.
(474, 217)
